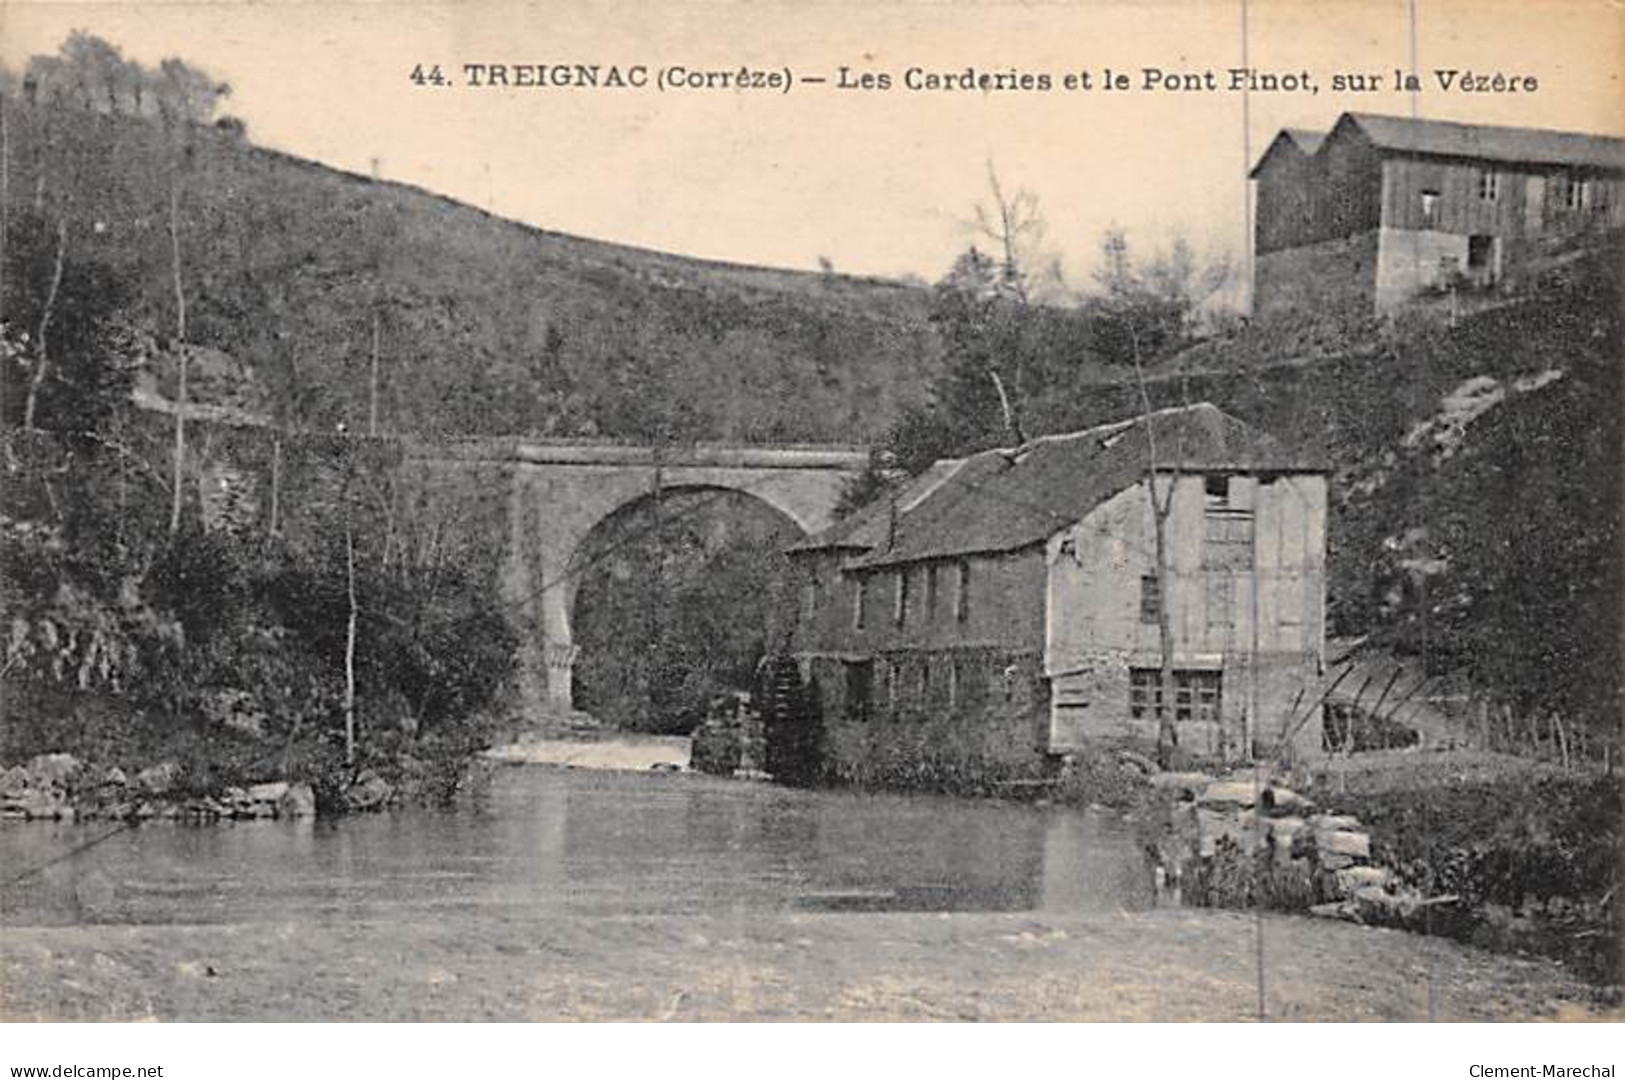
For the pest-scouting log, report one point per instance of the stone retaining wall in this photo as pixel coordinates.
(1245, 841)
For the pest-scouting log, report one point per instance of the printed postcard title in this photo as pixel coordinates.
(591, 76)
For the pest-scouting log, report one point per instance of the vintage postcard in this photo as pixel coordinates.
(717, 511)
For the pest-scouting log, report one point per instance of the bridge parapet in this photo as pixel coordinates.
(703, 455)
(843, 457)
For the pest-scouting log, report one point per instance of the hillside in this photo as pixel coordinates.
(1475, 517)
(483, 325)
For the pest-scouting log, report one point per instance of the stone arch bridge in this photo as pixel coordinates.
(559, 491)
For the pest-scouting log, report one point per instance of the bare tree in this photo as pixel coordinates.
(1014, 224)
(42, 356)
(1012, 422)
(372, 376)
(182, 352)
(1161, 509)
(1168, 296)
(349, 637)
(6, 90)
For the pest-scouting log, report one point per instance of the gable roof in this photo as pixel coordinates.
(1446, 138)
(1300, 142)
(1305, 140)
(1006, 500)
(867, 526)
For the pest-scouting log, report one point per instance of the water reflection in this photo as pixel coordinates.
(544, 841)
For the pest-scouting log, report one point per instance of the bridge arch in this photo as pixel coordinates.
(562, 491)
(673, 592)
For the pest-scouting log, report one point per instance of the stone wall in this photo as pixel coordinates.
(1246, 841)
(1412, 261)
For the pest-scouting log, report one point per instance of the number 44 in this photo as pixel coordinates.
(432, 77)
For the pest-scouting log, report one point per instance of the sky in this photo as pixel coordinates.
(876, 181)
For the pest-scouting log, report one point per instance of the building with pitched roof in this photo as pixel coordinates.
(1003, 609)
(1385, 211)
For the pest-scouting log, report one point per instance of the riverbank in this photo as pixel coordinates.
(558, 893)
(59, 787)
(1502, 853)
(1164, 965)
(1529, 852)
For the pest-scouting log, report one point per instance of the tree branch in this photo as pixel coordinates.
(44, 363)
(180, 335)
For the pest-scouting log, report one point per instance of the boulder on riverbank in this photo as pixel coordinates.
(369, 791)
(1245, 840)
(60, 787)
(158, 780)
(298, 801)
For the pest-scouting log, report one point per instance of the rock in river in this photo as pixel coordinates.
(299, 801)
(369, 792)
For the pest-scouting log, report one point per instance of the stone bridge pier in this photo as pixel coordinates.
(560, 491)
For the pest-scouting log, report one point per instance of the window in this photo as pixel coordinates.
(1197, 694)
(931, 592)
(973, 683)
(860, 600)
(859, 685)
(1216, 490)
(894, 676)
(1480, 252)
(1150, 599)
(811, 597)
(1228, 540)
(1144, 692)
(899, 613)
(1430, 209)
(1221, 601)
(953, 684)
(1489, 185)
(962, 594)
(1576, 193)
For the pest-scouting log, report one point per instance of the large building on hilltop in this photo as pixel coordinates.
(1004, 608)
(1383, 211)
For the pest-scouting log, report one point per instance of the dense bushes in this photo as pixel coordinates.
(1535, 865)
(223, 649)
(226, 653)
(216, 641)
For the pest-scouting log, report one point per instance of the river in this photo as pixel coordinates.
(583, 895)
(554, 842)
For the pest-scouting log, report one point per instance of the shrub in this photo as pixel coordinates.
(1535, 865)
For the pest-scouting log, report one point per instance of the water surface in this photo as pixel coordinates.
(545, 841)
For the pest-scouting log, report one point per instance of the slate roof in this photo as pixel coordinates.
(1006, 500)
(868, 527)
